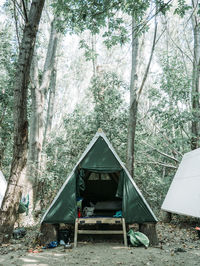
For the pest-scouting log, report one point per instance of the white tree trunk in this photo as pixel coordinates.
(37, 129)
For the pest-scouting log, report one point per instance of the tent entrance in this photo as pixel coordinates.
(99, 191)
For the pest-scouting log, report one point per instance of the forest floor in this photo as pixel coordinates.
(179, 245)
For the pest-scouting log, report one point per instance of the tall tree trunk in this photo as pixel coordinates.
(38, 94)
(195, 129)
(12, 197)
(50, 108)
(135, 93)
(34, 152)
(133, 100)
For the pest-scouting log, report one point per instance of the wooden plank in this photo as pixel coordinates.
(99, 232)
(75, 233)
(100, 220)
(124, 231)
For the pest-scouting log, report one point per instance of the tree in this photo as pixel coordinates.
(196, 76)
(39, 92)
(13, 193)
(135, 93)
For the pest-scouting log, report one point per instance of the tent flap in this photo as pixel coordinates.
(64, 208)
(134, 208)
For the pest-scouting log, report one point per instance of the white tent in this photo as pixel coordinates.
(183, 196)
(3, 186)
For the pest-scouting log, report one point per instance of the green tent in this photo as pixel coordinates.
(99, 179)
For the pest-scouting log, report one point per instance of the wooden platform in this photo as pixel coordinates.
(97, 220)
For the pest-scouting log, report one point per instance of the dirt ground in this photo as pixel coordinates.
(179, 245)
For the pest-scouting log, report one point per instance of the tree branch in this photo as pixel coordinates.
(17, 6)
(16, 24)
(149, 63)
(162, 153)
(25, 12)
(159, 163)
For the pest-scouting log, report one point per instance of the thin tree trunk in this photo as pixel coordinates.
(135, 94)
(12, 197)
(195, 129)
(133, 100)
(94, 59)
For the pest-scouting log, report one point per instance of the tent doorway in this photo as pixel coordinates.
(100, 191)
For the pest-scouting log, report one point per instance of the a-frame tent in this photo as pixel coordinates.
(184, 194)
(99, 177)
(3, 186)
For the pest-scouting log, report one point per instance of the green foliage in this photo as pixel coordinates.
(117, 33)
(76, 16)
(89, 52)
(165, 129)
(182, 8)
(171, 104)
(7, 65)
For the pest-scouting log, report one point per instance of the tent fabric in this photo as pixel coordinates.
(3, 186)
(64, 208)
(120, 187)
(184, 195)
(99, 157)
(134, 208)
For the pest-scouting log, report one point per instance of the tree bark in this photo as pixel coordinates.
(52, 86)
(12, 197)
(50, 108)
(37, 129)
(195, 129)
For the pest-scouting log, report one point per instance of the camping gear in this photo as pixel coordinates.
(52, 244)
(138, 239)
(23, 205)
(118, 214)
(62, 242)
(99, 176)
(183, 194)
(68, 246)
(64, 235)
(19, 233)
(79, 203)
(198, 231)
(79, 213)
(88, 211)
(3, 186)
